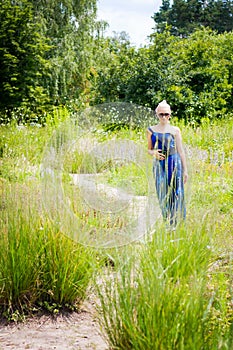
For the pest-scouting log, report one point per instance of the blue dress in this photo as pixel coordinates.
(168, 174)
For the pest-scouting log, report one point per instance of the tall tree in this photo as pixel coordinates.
(162, 17)
(113, 66)
(218, 15)
(184, 16)
(69, 25)
(46, 51)
(22, 57)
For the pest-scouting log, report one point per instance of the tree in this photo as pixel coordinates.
(185, 16)
(147, 80)
(70, 26)
(199, 79)
(113, 66)
(22, 57)
(218, 15)
(195, 74)
(46, 52)
(162, 17)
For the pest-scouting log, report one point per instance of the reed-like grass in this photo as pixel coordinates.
(175, 292)
(40, 268)
(165, 297)
(215, 136)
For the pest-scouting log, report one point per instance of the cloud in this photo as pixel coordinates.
(133, 17)
(144, 6)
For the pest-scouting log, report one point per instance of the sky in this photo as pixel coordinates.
(131, 16)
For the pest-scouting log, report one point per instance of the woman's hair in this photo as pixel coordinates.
(163, 104)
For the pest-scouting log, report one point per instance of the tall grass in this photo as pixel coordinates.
(165, 297)
(40, 268)
(175, 292)
(215, 136)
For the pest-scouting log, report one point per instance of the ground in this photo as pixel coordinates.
(76, 331)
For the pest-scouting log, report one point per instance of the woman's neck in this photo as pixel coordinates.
(163, 126)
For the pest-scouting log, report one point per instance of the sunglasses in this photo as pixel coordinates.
(163, 115)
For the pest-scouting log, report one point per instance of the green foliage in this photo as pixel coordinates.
(130, 75)
(56, 55)
(194, 74)
(45, 56)
(69, 26)
(110, 80)
(185, 16)
(22, 58)
(144, 80)
(199, 83)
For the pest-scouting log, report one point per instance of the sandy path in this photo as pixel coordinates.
(78, 331)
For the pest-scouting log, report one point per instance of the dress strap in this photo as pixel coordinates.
(150, 130)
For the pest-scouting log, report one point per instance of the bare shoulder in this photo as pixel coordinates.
(150, 129)
(174, 130)
(177, 131)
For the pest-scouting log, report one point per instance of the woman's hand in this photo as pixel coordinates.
(185, 176)
(158, 154)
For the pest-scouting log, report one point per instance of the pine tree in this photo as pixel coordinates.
(185, 16)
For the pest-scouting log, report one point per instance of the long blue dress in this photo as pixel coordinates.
(168, 175)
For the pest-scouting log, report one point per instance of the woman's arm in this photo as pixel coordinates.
(181, 152)
(153, 152)
(149, 142)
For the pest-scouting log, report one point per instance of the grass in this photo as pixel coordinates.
(214, 136)
(168, 295)
(176, 291)
(173, 291)
(40, 268)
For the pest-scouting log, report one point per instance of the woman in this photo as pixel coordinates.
(169, 167)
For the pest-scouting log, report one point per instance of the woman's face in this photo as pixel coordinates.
(164, 114)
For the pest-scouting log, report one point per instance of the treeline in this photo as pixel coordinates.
(56, 54)
(195, 74)
(185, 16)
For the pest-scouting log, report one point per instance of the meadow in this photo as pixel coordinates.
(172, 290)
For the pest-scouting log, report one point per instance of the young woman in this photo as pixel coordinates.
(169, 166)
